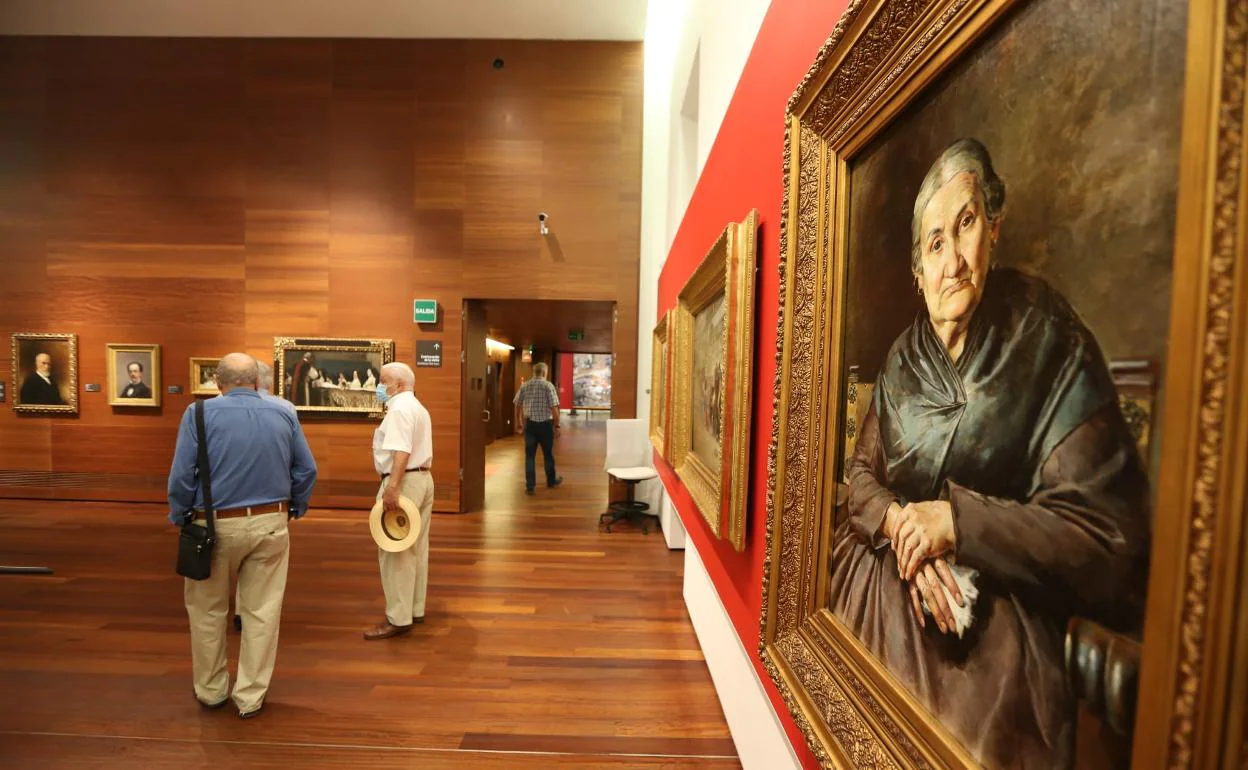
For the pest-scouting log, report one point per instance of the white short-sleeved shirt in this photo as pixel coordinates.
(406, 428)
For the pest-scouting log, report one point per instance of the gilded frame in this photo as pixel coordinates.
(728, 268)
(197, 376)
(113, 350)
(1191, 710)
(660, 383)
(384, 348)
(36, 338)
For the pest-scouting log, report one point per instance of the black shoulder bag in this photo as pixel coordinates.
(195, 544)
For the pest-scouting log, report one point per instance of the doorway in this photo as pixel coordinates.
(503, 339)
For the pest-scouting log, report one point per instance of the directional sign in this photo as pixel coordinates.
(575, 335)
(429, 353)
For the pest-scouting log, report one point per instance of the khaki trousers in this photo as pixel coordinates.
(405, 574)
(257, 548)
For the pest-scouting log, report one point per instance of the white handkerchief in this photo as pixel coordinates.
(965, 578)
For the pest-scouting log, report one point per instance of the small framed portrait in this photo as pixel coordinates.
(204, 377)
(45, 371)
(133, 375)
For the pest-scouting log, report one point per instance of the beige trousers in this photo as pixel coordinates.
(405, 574)
(257, 548)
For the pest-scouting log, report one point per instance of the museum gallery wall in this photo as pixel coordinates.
(742, 172)
(206, 196)
(792, 598)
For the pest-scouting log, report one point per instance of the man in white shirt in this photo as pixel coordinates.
(402, 454)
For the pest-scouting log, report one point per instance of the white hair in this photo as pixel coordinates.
(401, 372)
(540, 370)
(266, 375)
(964, 155)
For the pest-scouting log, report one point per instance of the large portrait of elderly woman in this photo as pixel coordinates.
(993, 289)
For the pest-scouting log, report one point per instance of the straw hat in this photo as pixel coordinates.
(395, 530)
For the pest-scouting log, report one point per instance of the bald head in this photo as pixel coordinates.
(237, 370)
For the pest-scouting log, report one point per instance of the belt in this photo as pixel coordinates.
(251, 510)
(422, 469)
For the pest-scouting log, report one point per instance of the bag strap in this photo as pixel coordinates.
(205, 481)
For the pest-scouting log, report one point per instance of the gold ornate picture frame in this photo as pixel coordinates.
(45, 373)
(204, 376)
(133, 374)
(331, 376)
(712, 373)
(660, 383)
(882, 58)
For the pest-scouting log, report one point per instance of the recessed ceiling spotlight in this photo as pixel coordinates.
(498, 64)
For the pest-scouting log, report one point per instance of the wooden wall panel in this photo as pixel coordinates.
(211, 194)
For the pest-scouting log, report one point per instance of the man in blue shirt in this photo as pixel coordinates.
(266, 392)
(262, 474)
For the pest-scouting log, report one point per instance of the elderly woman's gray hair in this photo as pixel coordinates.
(963, 155)
(401, 372)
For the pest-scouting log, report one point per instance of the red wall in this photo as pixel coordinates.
(565, 380)
(742, 172)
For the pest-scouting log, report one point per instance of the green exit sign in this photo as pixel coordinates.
(576, 335)
(425, 311)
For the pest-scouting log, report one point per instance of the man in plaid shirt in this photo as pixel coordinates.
(540, 402)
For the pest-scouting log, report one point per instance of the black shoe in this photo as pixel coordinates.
(528, 490)
(555, 483)
(212, 706)
(253, 713)
(238, 623)
(419, 620)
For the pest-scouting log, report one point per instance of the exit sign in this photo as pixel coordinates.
(425, 311)
(576, 335)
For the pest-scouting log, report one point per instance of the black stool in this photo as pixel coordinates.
(630, 508)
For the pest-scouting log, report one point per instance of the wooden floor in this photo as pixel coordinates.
(547, 644)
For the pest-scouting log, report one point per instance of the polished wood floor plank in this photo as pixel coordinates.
(543, 635)
(109, 752)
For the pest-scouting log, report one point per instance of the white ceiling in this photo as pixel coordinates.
(508, 19)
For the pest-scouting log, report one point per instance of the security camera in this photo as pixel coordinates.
(542, 216)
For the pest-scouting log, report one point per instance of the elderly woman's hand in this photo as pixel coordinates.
(926, 586)
(925, 531)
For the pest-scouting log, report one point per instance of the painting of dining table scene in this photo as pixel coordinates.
(1008, 270)
(707, 384)
(331, 379)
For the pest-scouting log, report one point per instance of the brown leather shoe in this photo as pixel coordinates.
(385, 631)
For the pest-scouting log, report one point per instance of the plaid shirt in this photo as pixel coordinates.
(537, 397)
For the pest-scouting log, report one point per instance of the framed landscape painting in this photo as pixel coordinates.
(712, 367)
(1006, 526)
